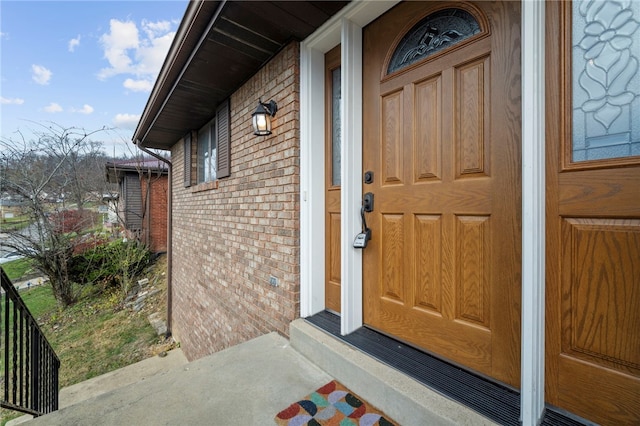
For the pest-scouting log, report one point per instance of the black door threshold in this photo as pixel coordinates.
(493, 400)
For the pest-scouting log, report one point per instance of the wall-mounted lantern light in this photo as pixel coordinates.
(262, 117)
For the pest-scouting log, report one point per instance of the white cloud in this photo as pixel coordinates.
(11, 101)
(122, 37)
(155, 29)
(86, 109)
(136, 50)
(126, 121)
(73, 43)
(152, 53)
(138, 85)
(53, 107)
(40, 74)
(4, 35)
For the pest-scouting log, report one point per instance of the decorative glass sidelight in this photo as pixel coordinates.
(336, 127)
(434, 33)
(606, 81)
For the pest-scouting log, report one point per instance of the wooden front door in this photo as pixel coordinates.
(441, 120)
(593, 211)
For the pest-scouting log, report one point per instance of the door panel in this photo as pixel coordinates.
(472, 278)
(392, 137)
(333, 270)
(593, 230)
(428, 125)
(428, 279)
(442, 268)
(393, 258)
(472, 126)
(603, 325)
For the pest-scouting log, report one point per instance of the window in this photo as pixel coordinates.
(207, 152)
(336, 128)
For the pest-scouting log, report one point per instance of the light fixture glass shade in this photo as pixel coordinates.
(262, 118)
(261, 122)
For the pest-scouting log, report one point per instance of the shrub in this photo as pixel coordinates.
(113, 264)
(67, 221)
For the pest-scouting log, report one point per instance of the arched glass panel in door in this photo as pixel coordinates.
(436, 32)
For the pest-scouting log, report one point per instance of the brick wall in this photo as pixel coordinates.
(228, 241)
(155, 228)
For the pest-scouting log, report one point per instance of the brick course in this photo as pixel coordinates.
(230, 239)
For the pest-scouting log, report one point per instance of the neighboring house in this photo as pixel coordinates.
(475, 127)
(110, 207)
(10, 207)
(143, 187)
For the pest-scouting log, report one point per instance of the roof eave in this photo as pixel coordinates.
(218, 47)
(176, 60)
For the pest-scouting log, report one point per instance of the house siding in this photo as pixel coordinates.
(132, 203)
(230, 238)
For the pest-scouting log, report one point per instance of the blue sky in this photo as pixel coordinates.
(83, 64)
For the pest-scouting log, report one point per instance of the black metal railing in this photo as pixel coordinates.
(29, 364)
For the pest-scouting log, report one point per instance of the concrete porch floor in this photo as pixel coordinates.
(248, 385)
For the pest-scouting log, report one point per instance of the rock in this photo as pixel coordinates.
(157, 323)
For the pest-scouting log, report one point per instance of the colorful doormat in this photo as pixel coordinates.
(332, 405)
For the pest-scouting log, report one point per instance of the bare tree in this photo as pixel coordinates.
(42, 172)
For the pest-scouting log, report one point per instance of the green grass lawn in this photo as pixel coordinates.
(16, 269)
(39, 300)
(14, 223)
(94, 336)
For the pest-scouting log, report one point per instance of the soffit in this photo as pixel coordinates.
(220, 45)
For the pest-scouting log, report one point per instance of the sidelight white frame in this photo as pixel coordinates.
(345, 29)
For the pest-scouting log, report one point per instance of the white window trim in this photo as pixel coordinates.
(341, 29)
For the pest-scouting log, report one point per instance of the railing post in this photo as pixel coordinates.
(21, 356)
(28, 363)
(56, 384)
(14, 337)
(35, 370)
(6, 347)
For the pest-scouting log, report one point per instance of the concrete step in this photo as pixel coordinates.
(116, 379)
(401, 397)
(134, 373)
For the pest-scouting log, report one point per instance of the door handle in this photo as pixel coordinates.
(367, 206)
(367, 202)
